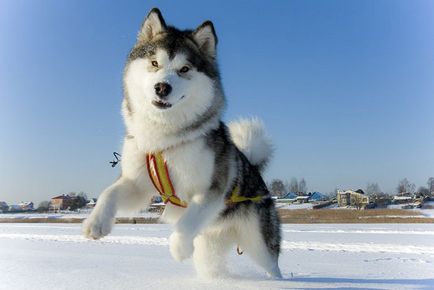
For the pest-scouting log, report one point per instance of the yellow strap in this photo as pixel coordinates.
(163, 174)
(167, 193)
(161, 180)
(235, 197)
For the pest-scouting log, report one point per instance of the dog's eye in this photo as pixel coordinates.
(184, 69)
(154, 63)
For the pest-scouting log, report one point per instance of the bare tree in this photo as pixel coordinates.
(43, 206)
(423, 190)
(372, 188)
(333, 194)
(302, 186)
(80, 201)
(430, 184)
(405, 186)
(277, 187)
(357, 202)
(293, 185)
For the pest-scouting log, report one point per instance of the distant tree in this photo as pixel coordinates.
(430, 184)
(302, 186)
(293, 185)
(372, 188)
(358, 203)
(332, 194)
(43, 206)
(278, 187)
(405, 186)
(80, 201)
(424, 190)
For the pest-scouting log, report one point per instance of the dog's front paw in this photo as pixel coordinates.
(181, 247)
(97, 225)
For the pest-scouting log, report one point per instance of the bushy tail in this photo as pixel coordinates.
(250, 138)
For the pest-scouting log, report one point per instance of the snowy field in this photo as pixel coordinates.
(67, 215)
(356, 256)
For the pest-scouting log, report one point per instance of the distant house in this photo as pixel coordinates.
(3, 206)
(290, 197)
(318, 196)
(14, 208)
(26, 205)
(352, 198)
(402, 198)
(409, 200)
(381, 200)
(61, 202)
(91, 203)
(302, 198)
(156, 199)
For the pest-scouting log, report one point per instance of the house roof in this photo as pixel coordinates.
(289, 195)
(350, 191)
(63, 196)
(92, 201)
(402, 197)
(317, 195)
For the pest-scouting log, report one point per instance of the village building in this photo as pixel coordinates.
(14, 208)
(300, 197)
(402, 198)
(352, 198)
(91, 203)
(61, 202)
(409, 200)
(26, 205)
(381, 200)
(290, 197)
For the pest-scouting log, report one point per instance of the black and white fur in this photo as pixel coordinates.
(173, 102)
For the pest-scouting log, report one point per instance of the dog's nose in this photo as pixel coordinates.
(162, 89)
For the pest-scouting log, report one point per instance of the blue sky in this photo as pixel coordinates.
(345, 88)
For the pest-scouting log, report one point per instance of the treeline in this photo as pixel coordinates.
(280, 187)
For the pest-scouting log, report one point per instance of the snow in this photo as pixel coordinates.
(294, 205)
(69, 215)
(314, 256)
(427, 209)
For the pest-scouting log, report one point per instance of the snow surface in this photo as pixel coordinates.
(314, 256)
(71, 214)
(294, 205)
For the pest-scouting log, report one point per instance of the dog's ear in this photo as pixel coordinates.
(152, 25)
(206, 38)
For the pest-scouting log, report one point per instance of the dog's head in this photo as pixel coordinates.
(171, 75)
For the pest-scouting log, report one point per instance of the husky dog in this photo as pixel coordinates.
(173, 103)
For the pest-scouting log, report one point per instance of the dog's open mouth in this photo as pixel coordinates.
(161, 104)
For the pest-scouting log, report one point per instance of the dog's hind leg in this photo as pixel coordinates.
(209, 254)
(260, 240)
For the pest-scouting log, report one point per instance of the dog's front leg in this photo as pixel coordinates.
(201, 211)
(120, 195)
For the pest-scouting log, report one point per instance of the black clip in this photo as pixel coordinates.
(115, 162)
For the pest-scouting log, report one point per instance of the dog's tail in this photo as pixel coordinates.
(250, 138)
